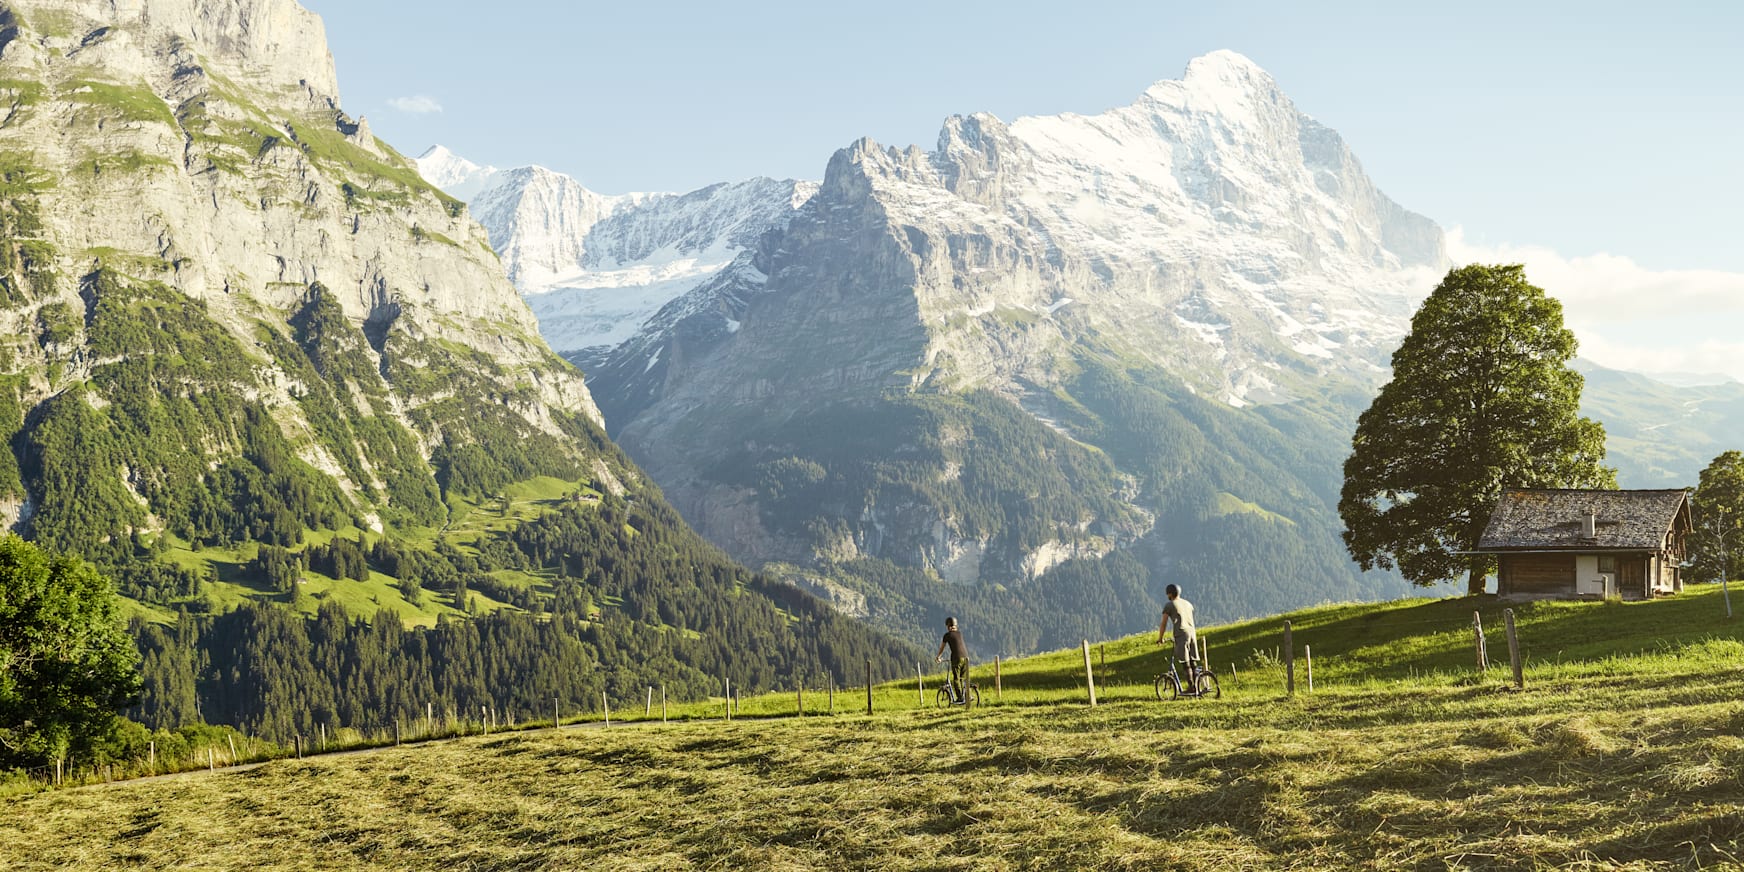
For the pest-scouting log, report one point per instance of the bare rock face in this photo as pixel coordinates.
(257, 190)
(267, 43)
(199, 146)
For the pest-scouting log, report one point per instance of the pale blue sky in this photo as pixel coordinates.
(1582, 128)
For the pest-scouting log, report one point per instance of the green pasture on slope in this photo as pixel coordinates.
(229, 585)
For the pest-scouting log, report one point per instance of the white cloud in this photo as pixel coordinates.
(1708, 356)
(418, 104)
(1628, 316)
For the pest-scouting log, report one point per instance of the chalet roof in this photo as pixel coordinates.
(1528, 520)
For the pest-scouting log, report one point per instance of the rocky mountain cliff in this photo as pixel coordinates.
(169, 153)
(1046, 367)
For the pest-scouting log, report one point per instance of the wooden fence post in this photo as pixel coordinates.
(1204, 653)
(1289, 662)
(606, 705)
(484, 719)
(1089, 674)
(648, 710)
(832, 694)
(323, 729)
(799, 696)
(1514, 650)
(663, 703)
(1308, 660)
(556, 714)
(868, 685)
(729, 699)
(1102, 658)
(919, 686)
(211, 759)
(232, 741)
(1478, 640)
(151, 755)
(998, 690)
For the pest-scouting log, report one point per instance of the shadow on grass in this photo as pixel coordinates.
(1710, 840)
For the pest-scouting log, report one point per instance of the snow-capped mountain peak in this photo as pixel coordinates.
(1210, 226)
(1226, 85)
(595, 267)
(459, 177)
(1209, 222)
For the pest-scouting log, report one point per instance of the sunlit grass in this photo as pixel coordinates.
(1622, 751)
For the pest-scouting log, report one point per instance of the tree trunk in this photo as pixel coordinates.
(1480, 566)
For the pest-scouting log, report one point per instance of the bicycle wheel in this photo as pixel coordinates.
(1167, 684)
(944, 697)
(974, 696)
(1208, 686)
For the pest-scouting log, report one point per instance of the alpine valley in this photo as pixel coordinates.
(1028, 377)
(255, 367)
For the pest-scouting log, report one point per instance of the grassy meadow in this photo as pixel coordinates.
(1624, 750)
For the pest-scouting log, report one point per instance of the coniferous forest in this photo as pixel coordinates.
(214, 520)
(636, 601)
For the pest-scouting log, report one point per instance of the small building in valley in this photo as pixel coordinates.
(1569, 544)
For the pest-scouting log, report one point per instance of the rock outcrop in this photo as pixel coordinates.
(192, 155)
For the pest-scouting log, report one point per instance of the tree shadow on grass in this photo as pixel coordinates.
(1711, 839)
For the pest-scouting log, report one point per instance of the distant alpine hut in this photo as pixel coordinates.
(1579, 544)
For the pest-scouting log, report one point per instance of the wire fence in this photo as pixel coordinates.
(1288, 665)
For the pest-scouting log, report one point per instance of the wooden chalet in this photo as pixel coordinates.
(1569, 544)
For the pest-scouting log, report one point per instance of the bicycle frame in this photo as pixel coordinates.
(1200, 682)
(967, 696)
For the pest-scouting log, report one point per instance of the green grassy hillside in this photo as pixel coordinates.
(1661, 435)
(1622, 751)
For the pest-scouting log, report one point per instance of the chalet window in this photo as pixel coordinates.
(1607, 564)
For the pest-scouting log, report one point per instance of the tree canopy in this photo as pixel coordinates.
(1481, 398)
(67, 665)
(1718, 507)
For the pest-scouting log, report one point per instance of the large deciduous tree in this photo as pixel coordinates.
(1716, 544)
(1482, 398)
(67, 665)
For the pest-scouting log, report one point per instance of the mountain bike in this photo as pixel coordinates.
(1201, 683)
(947, 695)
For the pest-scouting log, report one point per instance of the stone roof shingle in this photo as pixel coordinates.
(1553, 519)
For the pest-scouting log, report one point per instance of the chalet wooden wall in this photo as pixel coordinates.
(1536, 573)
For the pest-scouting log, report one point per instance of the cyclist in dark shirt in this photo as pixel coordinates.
(959, 657)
